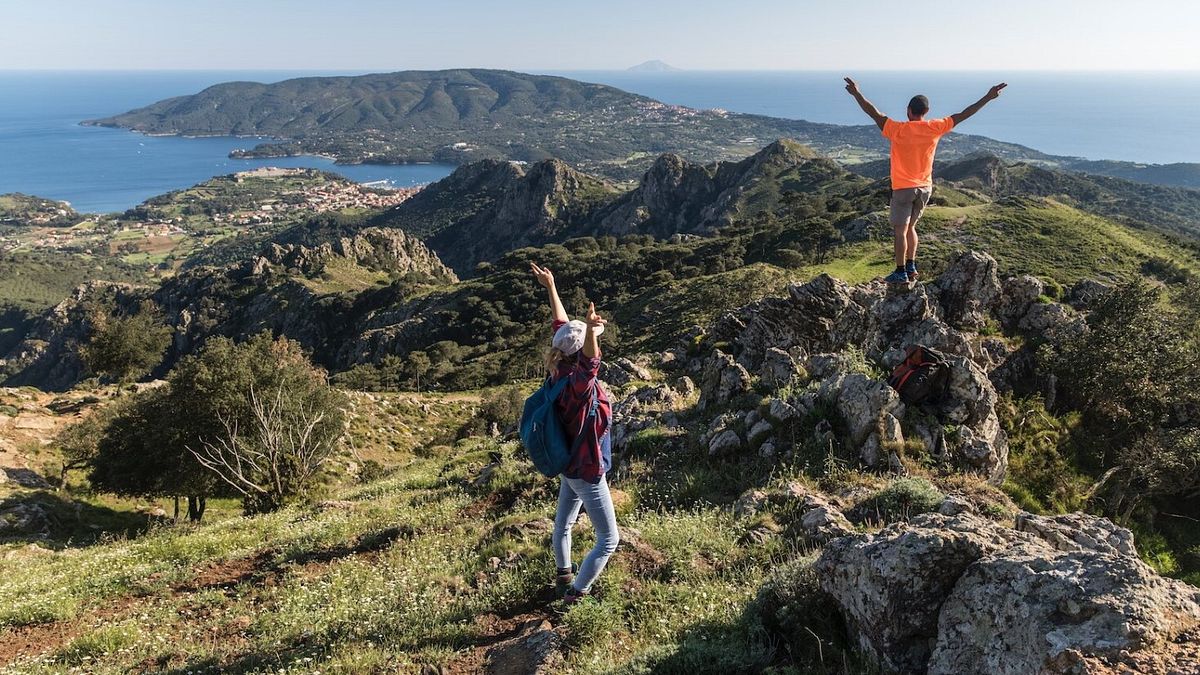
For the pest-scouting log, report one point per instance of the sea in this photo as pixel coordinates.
(1135, 116)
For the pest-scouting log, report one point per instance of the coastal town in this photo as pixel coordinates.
(162, 231)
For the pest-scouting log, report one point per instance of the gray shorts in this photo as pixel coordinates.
(907, 205)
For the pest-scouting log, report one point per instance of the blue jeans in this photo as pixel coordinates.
(596, 500)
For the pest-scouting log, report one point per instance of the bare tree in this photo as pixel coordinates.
(278, 457)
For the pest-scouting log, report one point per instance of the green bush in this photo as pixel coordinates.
(901, 500)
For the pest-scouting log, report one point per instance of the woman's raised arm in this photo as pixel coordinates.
(546, 278)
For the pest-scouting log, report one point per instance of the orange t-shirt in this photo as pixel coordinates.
(913, 145)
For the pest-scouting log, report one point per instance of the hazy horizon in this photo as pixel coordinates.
(700, 35)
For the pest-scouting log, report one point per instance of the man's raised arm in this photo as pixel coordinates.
(867, 106)
(975, 107)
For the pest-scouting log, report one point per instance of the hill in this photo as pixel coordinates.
(459, 116)
(653, 66)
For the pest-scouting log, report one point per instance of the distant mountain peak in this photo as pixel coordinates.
(653, 66)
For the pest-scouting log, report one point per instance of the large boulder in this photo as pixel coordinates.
(961, 594)
(723, 380)
(778, 368)
(891, 585)
(971, 403)
(865, 405)
(1017, 295)
(1029, 611)
(968, 289)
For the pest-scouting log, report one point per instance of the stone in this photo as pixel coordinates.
(684, 386)
(749, 504)
(954, 505)
(723, 380)
(635, 370)
(778, 369)
(759, 433)
(861, 402)
(767, 449)
(780, 411)
(1086, 292)
(1017, 295)
(1029, 611)
(1079, 532)
(1049, 319)
(613, 374)
(821, 521)
(725, 443)
(536, 650)
(891, 585)
(968, 289)
(960, 594)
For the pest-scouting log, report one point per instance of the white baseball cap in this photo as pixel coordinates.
(568, 339)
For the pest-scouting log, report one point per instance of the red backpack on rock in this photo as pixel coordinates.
(922, 377)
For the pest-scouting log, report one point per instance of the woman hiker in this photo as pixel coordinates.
(575, 354)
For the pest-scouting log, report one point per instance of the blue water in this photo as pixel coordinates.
(1134, 116)
(44, 151)
(1144, 117)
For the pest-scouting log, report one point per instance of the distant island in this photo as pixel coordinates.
(654, 66)
(461, 116)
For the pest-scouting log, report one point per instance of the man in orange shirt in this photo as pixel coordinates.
(913, 145)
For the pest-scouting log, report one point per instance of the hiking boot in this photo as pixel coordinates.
(572, 597)
(563, 582)
(911, 270)
(897, 277)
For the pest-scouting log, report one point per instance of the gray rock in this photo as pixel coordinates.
(725, 443)
(1079, 532)
(759, 433)
(968, 289)
(749, 504)
(1085, 293)
(965, 595)
(767, 449)
(723, 380)
(1029, 611)
(635, 370)
(684, 386)
(778, 368)
(821, 521)
(890, 586)
(1017, 295)
(780, 411)
(861, 402)
(536, 650)
(954, 505)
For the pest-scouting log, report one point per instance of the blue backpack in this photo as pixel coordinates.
(542, 433)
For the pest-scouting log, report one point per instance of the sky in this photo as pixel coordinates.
(600, 34)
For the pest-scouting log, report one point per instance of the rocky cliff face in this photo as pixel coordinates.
(485, 209)
(678, 196)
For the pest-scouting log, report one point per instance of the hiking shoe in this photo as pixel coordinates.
(911, 270)
(563, 582)
(572, 597)
(897, 277)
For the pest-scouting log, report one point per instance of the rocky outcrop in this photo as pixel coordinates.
(49, 357)
(961, 595)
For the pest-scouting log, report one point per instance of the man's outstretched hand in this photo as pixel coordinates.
(994, 92)
(851, 86)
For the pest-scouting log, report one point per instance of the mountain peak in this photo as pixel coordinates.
(653, 66)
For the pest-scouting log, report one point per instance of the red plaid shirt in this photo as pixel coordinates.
(594, 457)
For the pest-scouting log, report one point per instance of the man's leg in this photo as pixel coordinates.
(900, 213)
(920, 199)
